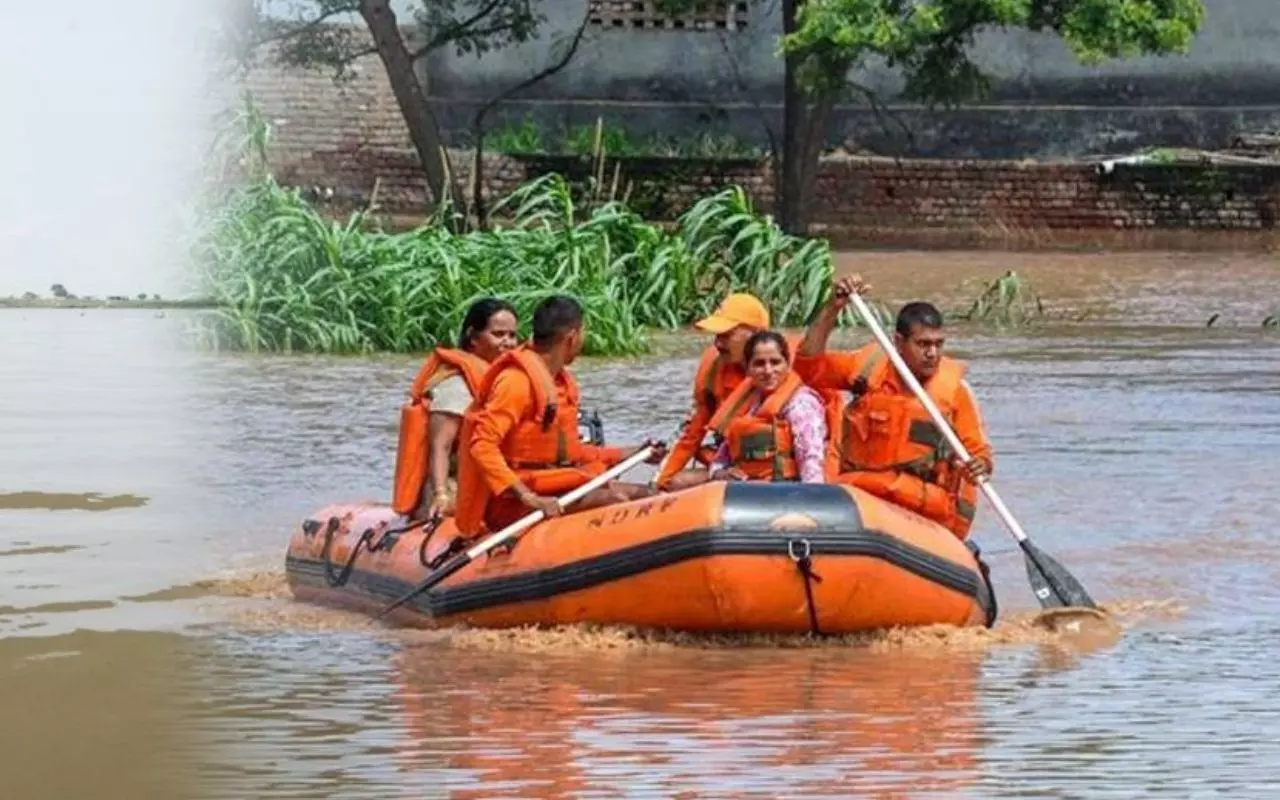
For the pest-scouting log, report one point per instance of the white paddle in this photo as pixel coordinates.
(1051, 583)
(485, 545)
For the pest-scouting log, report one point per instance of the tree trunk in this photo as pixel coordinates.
(477, 166)
(804, 133)
(788, 190)
(805, 117)
(424, 130)
(816, 115)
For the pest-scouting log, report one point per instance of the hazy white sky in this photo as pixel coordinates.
(103, 123)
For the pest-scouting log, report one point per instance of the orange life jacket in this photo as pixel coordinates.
(760, 442)
(833, 403)
(714, 384)
(413, 451)
(890, 447)
(833, 406)
(544, 449)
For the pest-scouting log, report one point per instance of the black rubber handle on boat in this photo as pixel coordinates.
(462, 559)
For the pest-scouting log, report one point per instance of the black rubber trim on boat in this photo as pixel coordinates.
(745, 529)
(635, 560)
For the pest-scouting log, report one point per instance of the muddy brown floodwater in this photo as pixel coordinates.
(147, 494)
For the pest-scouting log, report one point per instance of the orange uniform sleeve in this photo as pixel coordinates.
(609, 456)
(689, 442)
(508, 403)
(830, 370)
(968, 426)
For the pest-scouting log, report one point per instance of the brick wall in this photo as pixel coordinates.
(992, 197)
(342, 139)
(1053, 196)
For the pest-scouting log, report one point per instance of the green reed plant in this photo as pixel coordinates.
(1007, 301)
(286, 279)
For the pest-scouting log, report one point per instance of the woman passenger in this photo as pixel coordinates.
(441, 394)
(775, 427)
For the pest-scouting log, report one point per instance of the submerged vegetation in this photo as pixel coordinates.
(287, 279)
(1006, 301)
(283, 277)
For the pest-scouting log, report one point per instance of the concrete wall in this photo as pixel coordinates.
(1043, 104)
(339, 142)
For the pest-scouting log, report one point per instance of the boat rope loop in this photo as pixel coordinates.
(386, 542)
(801, 552)
(428, 531)
(339, 578)
(456, 546)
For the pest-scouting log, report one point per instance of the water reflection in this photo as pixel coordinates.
(806, 722)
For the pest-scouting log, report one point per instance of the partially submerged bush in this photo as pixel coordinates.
(1006, 301)
(287, 280)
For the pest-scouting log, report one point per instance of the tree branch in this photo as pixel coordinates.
(542, 74)
(453, 31)
(355, 55)
(882, 112)
(302, 29)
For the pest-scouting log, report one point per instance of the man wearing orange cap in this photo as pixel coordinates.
(719, 373)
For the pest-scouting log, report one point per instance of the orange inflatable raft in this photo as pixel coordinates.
(722, 557)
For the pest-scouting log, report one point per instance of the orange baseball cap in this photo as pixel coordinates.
(734, 310)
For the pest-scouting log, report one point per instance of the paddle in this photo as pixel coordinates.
(462, 559)
(1051, 583)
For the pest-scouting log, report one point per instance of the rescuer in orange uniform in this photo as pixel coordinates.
(439, 396)
(720, 371)
(887, 443)
(522, 446)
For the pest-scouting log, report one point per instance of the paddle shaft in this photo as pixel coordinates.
(489, 542)
(903, 370)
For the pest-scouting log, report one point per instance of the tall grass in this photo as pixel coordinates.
(288, 280)
(1006, 301)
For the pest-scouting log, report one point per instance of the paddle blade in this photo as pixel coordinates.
(1051, 583)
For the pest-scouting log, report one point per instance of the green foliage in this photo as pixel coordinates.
(527, 138)
(930, 40)
(1006, 301)
(303, 35)
(285, 279)
(496, 24)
